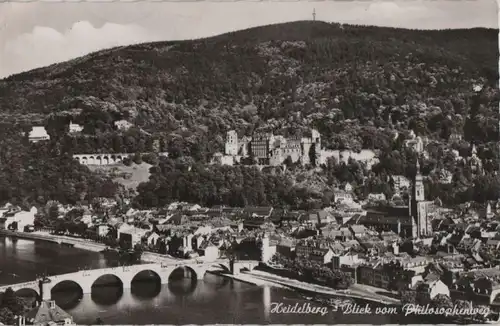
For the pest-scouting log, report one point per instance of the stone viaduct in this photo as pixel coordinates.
(126, 274)
(105, 158)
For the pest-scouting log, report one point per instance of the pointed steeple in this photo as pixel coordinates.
(474, 150)
(418, 167)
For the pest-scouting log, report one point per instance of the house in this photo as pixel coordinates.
(376, 197)
(102, 230)
(209, 250)
(20, 220)
(358, 230)
(178, 219)
(47, 313)
(324, 217)
(38, 134)
(400, 183)
(123, 125)
(74, 128)
(318, 250)
(434, 286)
(341, 196)
(322, 257)
(203, 230)
(286, 247)
(131, 236)
(263, 212)
(180, 243)
(346, 259)
(152, 238)
(372, 274)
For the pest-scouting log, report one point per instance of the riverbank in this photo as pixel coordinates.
(60, 239)
(357, 291)
(248, 279)
(84, 244)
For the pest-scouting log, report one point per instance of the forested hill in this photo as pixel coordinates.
(286, 75)
(356, 85)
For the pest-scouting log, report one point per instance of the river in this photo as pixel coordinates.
(213, 300)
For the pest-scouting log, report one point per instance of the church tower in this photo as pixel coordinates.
(418, 185)
(421, 226)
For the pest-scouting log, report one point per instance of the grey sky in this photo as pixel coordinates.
(41, 33)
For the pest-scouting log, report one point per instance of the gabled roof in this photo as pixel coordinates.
(47, 312)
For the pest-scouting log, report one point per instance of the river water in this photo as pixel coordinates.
(213, 300)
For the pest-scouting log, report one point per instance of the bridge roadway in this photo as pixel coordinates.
(86, 278)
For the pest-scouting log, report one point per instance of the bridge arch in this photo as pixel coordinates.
(65, 286)
(147, 274)
(27, 292)
(193, 273)
(108, 279)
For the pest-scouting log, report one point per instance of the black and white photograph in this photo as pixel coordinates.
(249, 162)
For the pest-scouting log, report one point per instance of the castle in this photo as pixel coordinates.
(269, 149)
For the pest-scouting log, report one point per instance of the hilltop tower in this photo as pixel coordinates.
(231, 147)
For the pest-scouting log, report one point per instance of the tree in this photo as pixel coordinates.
(7, 317)
(442, 301)
(408, 297)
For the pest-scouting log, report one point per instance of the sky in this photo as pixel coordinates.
(40, 33)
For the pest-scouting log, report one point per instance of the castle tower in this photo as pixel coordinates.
(231, 147)
(316, 140)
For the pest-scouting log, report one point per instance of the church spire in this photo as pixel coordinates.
(418, 167)
(474, 150)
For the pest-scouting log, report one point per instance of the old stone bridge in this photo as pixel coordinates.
(126, 274)
(105, 158)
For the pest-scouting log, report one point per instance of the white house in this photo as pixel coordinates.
(438, 287)
(123, 125)
(38, 134)
(211, 252)
(102, 230)
(74, 128)
(22, 219)
(153, 238)
(343, 197)
(131, 235)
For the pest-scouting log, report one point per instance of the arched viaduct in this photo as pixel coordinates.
(126, 274)
(105, 158)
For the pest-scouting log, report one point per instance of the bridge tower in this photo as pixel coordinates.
(266, 252)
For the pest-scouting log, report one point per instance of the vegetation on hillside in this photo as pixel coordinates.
(36, 173)
(357, 85)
